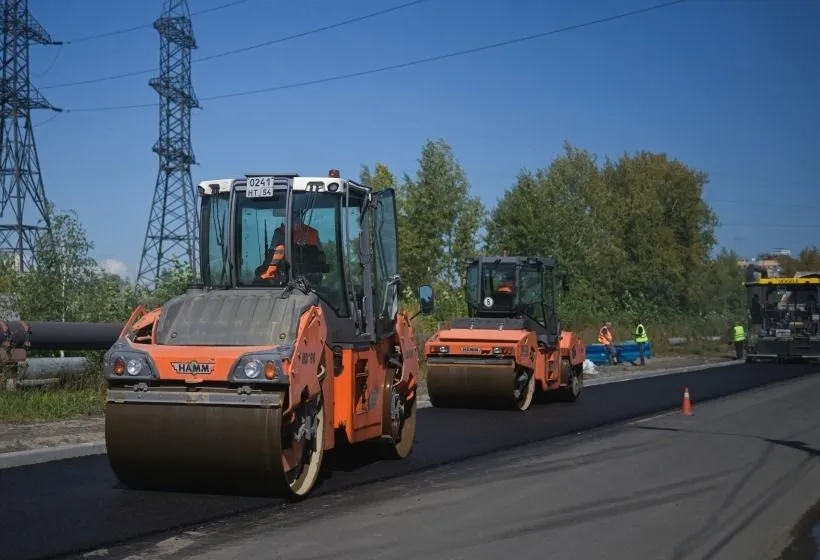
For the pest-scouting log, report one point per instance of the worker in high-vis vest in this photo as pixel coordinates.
(641, 339)
(739, 339)
(606, 338)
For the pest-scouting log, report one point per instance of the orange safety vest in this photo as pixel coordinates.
(278, 255)
(505, 288)
(605, 336)
(302, 235)
(305, 235)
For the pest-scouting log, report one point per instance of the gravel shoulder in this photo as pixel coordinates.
(59, 433)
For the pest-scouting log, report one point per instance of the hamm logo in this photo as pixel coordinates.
(193, 367)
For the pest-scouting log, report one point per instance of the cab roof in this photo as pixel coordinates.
(320, 183)
(803, 280)
(547, 262)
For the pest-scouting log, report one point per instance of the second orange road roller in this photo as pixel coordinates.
(511, 344)
(291, 344)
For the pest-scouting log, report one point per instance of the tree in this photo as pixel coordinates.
(561, 211)
(63, 286)
(665, 227)
(634, 233)
(170, 283)
(438, 219)
(807, 261)
(720, 292)
(381, 178)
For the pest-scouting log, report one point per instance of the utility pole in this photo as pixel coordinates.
(172, 223)
(20, 174)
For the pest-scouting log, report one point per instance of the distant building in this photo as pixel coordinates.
(769, 261)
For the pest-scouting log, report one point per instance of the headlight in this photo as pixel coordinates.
(128, 365)
(252, 369)
(262, 367)
(133, 367)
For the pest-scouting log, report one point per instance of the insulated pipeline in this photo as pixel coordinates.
(55, 335)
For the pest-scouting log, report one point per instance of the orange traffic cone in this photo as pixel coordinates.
(686, 408)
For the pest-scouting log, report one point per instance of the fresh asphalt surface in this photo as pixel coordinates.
(77, 505)
(726, 484)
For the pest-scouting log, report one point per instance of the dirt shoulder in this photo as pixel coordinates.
(58, 433)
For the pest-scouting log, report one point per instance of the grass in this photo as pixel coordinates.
(81, 396)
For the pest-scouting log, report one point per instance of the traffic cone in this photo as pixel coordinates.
(686, 408)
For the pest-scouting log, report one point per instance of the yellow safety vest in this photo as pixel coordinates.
(640, 334)
(739, 333)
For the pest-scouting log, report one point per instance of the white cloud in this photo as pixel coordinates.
(113, 266)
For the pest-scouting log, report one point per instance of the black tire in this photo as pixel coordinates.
(574, 384)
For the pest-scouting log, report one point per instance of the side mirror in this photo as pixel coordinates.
(427, 301)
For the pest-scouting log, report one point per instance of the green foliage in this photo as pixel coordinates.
(68, 284)
(807, 261)
(635, 235)
(438, 219)
(171, 283)
(380, 179)
(63, 285)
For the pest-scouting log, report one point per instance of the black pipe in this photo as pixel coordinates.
(752, 269)
(53, 335)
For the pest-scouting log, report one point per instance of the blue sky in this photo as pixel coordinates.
(728, 86)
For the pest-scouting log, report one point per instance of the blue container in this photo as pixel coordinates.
(625, 352)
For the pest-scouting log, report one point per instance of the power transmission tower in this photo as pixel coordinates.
(172, 223)
(19, 163)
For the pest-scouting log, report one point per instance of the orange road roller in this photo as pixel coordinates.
(511, 344)
(288, 344)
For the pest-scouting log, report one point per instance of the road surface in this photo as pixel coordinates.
(728, 483)
(76, 505)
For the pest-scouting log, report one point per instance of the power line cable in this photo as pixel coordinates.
(148, 25)
(247, 48)
(763, 180)
(417, 62)
(764, 203)
(52, 64)
(769, 225)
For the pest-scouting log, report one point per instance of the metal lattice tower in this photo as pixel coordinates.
(172, 223)
(19, 163)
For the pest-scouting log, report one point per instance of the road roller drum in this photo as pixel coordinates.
(501, 386)
(219, 448)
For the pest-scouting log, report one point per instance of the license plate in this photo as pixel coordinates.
(259, 187)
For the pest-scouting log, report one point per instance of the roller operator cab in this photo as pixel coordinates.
(783, 319)
(291, 344)
(511, 344)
